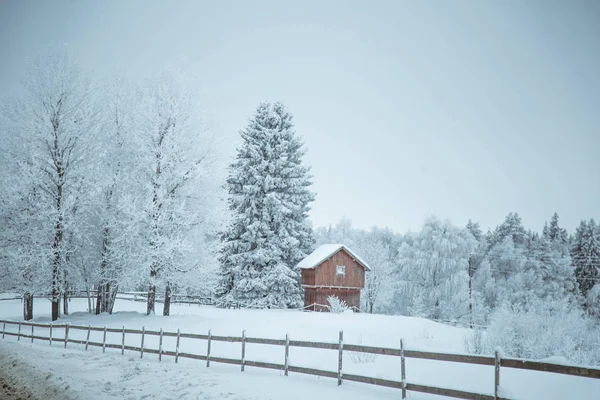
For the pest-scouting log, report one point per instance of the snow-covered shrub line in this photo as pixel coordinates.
(548, 329)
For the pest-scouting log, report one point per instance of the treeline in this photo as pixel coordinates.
(105, 185)
(537, 292)
(116, 186)
(447, 272)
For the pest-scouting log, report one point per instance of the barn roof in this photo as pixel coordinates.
(325, 251)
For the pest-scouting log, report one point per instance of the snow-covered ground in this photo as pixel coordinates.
(54, 373)
(97, 375)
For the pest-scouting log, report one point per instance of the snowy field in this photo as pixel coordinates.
(57, 373)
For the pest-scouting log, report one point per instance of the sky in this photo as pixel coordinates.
(460, 109)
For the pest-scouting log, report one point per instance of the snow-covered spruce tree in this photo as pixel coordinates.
(511, 227)
(481, 249)
(552, 270)
(475, 230)
(585, 255)
(556, 234)
(269, 198)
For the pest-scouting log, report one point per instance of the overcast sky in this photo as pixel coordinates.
(463, 109)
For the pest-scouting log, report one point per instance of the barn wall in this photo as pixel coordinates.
(308, 276)
(355, 273)
(320, 295)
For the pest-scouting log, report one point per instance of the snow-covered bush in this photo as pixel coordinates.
(546, 329)
(593, 301)
(358, 357)
(475, 341)
(336, 305)
(425, 334)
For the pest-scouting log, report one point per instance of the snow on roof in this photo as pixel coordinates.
(325, 251)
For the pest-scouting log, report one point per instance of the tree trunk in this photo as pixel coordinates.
(55, 292)
(27, 306)
(151, 298)
(55, 273)
(89, 298)
(99, 298)
(103, 286)
(65, 303)
(371, 307)
(105, 296)
(111, 299)
(56, 245)
(66, 295)
(167, 305)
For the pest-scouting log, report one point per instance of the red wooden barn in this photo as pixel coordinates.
(332, 269)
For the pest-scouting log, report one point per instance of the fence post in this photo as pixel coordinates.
(19, 334)
(341, 355)
(31, 333)
(208, 350)
(66, 334)
(160, 345)
(50, 333)
(287, 353)
(3, 329)
(104, 340)
(142, 345)
(177, 347)
(243, 348)
(496, 375)
(123, 341)
(402, 369)
(87, 339)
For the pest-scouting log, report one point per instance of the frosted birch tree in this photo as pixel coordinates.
(117, 219)
(25, 236)
(435, 270)
(54, 126)
(172, 152)
(376, 254)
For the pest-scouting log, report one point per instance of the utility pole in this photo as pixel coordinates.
(471, 291)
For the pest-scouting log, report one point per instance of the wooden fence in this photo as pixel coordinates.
(340, 347)
(175, 299)
(135, 296)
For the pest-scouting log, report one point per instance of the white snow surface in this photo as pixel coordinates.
(325, 251)
(55, 373)
(51, 372)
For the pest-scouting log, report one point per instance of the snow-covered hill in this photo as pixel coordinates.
(376, 330)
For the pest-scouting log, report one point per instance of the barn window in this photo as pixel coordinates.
(340, 270)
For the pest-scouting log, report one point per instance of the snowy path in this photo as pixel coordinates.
(54, 373)
(8, 391)
(20, 379)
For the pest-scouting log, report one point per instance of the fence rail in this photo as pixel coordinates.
(135, 296)
(401, 352)
(175, 299)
